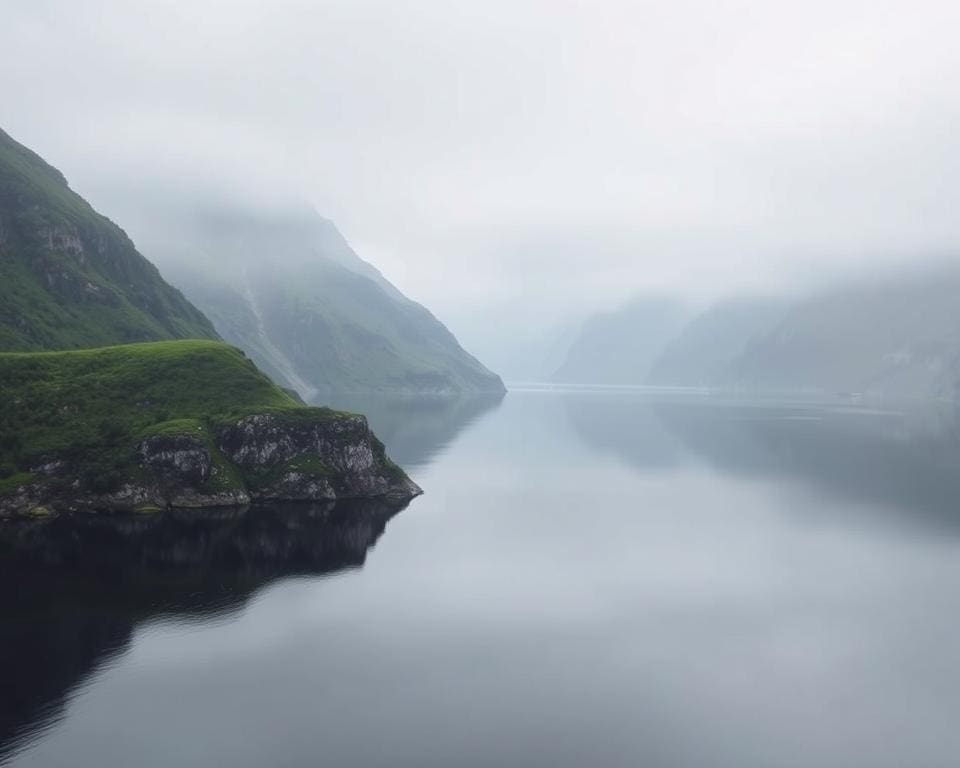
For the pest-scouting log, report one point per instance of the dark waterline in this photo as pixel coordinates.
(610, 579)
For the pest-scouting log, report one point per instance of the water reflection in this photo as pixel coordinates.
(73, 589)
(901, 458)
(416, 428)
(609, 580)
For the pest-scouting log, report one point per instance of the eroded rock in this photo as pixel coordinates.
(300, 455)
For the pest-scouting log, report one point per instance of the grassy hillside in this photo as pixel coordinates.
(90, 407)
(70, 277)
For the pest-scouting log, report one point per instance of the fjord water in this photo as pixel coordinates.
(592, 578)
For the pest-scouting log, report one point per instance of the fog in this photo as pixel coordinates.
(518, 165)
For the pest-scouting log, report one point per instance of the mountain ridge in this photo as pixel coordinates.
(69, 276)
(289, 290)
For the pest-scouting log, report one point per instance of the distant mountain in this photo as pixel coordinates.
(620, 347)
(892, 335)
(703, 351)
(292, 293)
(896, 335)
(70, 277)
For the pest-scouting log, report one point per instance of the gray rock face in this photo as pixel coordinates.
(298, 486)
(186, 473)
(179, 458)
(42, 498)
(344, 443)
(336, 457)
(289, 456)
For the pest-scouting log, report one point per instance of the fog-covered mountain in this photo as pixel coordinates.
(620, 347)
(520, 349)
(70, 277)
(290, 291)
(890, 334)
(895, 334)
(702, 352)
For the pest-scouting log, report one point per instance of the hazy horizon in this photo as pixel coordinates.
(518, 164)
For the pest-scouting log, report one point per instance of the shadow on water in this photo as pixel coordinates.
(415, 428)
(903, 459)
(73, 589)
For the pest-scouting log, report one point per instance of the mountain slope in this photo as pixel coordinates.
(70, 277)
(708, 344)
(291, 292)
(619, 347)
(897, 335)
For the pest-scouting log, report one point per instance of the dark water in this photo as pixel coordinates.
(592, 579)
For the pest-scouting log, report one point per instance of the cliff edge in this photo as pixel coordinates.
(173, 424)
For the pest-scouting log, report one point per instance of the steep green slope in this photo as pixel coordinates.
(292, 293)
(70, 277)
(188, 423)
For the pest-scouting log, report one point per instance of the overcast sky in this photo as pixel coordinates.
(502, 157)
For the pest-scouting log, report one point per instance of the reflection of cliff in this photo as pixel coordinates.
(72, 590)
(416, 428)
(906, 462)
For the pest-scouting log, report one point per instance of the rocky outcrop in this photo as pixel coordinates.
(177, 458)
(298, 458)
(293, 455)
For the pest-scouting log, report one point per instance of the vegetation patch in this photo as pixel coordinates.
(306, 464)
(70, 277)
(74, 425)
(224, 475)
(11, 483)
(91, 408)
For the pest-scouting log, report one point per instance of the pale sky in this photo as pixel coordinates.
(518, 159)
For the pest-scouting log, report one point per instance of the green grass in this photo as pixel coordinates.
(92, 407)
(70, 277)
(224, 476)
(309, 464)
(14, 481)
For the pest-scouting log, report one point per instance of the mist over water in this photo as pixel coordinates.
(515, 165)
(711, 248)
(593, 577)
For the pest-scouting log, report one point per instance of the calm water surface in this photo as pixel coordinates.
(592, 579)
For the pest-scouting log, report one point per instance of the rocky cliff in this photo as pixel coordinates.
(319, 456)
(173, 424)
